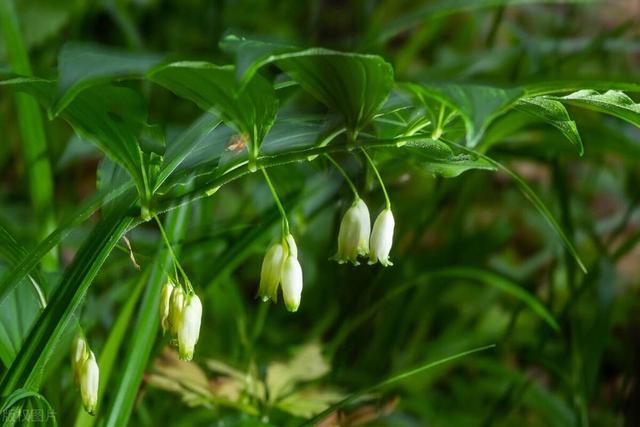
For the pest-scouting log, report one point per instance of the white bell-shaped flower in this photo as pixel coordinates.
(89, 380)
(292, 283)
(271, 272)
(176, 307)
(382, 238)
(79, 353)
(189, 328)
(353, 237)
(165, 304)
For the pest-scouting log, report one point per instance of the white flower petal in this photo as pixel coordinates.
(382, 238)
(292, 283)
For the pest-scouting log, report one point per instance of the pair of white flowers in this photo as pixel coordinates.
(85, 373)
(356, 238)
(181, 315)
(281, 267)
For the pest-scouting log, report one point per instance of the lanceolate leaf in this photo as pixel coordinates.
(611, 102)
(251, 110)
(81, 66)
(113, 118)
(353, 85)
(554, 113)
(26, 370)
(478, 105)
(441, 160)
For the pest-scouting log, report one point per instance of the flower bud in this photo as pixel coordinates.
(382, 238)
(291, 245)
(79, 354)
(292, 283)
(353, 237)
(271, 272)
(176, 307)
(89, 380)
(189, 328)
(165, 304)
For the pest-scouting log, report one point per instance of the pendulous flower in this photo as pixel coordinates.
(291, 277)
(189, 327)
(271, 272)
(89, 380)
(165, 304)
(353, 237)
(382, 238)
(176, 306)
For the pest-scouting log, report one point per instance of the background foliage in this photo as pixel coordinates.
(519, 228)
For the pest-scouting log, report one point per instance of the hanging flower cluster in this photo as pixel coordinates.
(355, 239)
(181, 309)
(281, 267)
(181, 315)
(86, 373)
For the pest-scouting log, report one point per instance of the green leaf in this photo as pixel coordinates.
(503, 284)
(354, 85)
(144, 330)
(551, 87)
(440, 159)
(477, 105)
(113, 118)
(19, 310)
(251, 110)
(27, 368)
(554, 113)
(81, 66)
(612, 102)
(250, 55)
(190, 143)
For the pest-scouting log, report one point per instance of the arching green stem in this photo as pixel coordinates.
(285, 221)
(176, 263)
(344, 175)
(375, 170)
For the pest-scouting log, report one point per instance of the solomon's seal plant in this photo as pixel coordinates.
(265, 114)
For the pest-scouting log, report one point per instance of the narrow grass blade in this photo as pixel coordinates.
(503, 284)
(34, 143)
(535, 200)
(389, 381)
(26, 369)
(31, 260)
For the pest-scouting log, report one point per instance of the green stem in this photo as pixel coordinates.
(285, 221)
(345, 176)
(176, 263)
(375, 170)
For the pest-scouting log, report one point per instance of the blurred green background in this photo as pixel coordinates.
(460, 242)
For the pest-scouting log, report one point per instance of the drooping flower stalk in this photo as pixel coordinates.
(382, 234)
